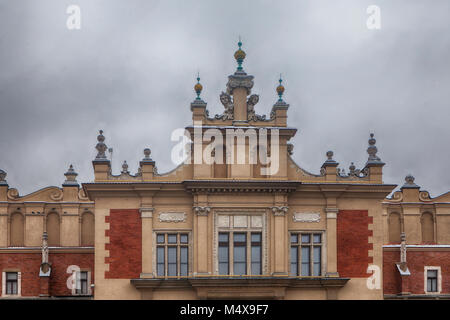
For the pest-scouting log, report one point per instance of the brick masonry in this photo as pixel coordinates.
(353, 243)
(416, 260)
(29, 263)
(125, 244)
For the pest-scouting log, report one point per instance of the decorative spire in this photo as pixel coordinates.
(372, 151)
(71, 176)
(101, 147)
(198, 87)
(2, 177)
(280, 90)
(239, 55)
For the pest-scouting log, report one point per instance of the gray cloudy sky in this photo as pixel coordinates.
(131, 68)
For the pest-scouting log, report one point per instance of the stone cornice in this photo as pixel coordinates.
(224, 282)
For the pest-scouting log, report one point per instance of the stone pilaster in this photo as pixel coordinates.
(147, 240)
(331, 213)
(201, 238)
(281, 245)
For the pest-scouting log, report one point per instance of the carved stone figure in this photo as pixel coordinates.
(228, 114)
(251, 115)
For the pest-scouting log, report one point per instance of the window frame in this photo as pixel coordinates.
(4, 283)
(249, 229)
(438, 279)
(177, 245)
(88, 284)
(299, 245)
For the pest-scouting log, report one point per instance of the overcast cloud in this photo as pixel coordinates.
(131, 68)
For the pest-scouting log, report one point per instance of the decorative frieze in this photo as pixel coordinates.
(280, 211)
(306, 217)
(172, 217)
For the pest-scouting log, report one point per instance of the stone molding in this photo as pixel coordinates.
(146, 212)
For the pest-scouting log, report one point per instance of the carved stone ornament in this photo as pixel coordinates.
(306, 217)
(227, 102)
(12, 194)
(57, 195)
(251, 115)
(279, 211)
(172, 217)
(101, 147)
(239, 81)
(202, 211)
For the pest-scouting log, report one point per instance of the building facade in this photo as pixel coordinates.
(237, 219)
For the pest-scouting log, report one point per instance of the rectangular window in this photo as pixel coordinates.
(82, 283)
(172, 254)
(246, 257)
(256, 254)
(223, 254)
(240, 254)
(432, 280)
(12, 281)
(306, 254)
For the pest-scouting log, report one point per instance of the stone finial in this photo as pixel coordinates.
(239, 55)
(280, 90)
(330, 156)
(198, 88)
(125, 167)
(372, 151)
(71, 176)
(147, 153)
(101, 147)
(409, 183)
(2, 177)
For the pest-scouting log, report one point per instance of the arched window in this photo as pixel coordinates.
(17, 230)
(87, 229)
(53, 229)
(394, 228)
(427, 223)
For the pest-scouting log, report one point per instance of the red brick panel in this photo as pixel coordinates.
(353, 243)
(29, 263)
(60, 262)
(125, 244)
(416, 260)
(391, 276)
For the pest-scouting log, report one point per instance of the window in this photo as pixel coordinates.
(12, 283)
(172, 254)
(306, 254)
(82, 283)
(247, 253)
(432, 279)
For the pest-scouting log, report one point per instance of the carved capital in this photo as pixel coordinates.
(332, 213)
(280, 211)
(201, 211)
(146, 212)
